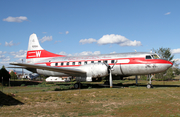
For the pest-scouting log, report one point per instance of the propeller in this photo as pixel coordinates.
(110, 69)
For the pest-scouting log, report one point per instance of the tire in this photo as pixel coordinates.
(76, 85)
(148, 86)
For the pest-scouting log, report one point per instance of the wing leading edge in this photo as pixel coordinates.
(68, 71)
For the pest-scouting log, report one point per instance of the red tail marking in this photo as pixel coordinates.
(41, 54)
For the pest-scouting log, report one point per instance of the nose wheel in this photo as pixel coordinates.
(149, 85)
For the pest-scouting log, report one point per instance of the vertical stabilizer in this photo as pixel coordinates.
(36, 53)
(34, 43)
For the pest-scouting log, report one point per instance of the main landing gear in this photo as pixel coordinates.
(149, 85)
(77, 85)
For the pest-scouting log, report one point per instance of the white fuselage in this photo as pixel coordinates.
(93, 66)
(127, 64)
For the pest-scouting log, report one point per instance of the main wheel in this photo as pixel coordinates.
(77, 85)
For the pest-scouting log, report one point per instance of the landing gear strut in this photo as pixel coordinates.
(149, 85)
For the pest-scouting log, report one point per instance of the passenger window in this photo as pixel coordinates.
(112, 61)
(99, 61)
(92, 61)
(67, 63)
(56, 64)
(61, 64)
(105, 61)
(85, 62)
(73, 63)
(79, 63)
(148, 57)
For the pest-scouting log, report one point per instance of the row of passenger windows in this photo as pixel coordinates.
(80, 63)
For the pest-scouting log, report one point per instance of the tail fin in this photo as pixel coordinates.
(36, 52)
(34, 43)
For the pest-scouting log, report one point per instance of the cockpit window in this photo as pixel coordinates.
(148, 57)
(155, 56)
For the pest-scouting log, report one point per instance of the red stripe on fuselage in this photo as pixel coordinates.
(148, 61)
(131, 61)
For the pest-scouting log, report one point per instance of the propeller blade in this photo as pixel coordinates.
(110, 72)
(114, 64)
(106, 64)
(110, 78)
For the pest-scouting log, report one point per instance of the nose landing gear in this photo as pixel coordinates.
(149, 85)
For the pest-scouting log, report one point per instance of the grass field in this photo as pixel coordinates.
(127, 100)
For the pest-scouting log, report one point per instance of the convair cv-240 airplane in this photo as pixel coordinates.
(85, 68)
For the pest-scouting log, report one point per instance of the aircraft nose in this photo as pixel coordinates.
(169, 64)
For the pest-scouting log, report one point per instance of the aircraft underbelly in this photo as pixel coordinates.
(137, 69)
(143, 69)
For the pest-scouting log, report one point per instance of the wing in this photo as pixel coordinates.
(69, 71)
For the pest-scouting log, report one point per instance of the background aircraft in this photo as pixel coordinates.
(84, 68)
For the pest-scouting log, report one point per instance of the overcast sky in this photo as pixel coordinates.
(85, 27)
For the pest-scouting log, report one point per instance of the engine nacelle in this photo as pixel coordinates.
(95, 70)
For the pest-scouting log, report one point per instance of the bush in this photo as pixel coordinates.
(23, 85)
(143, 77)
(168, 75)
(132, 86)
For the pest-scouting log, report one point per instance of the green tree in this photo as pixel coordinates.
(5, 74)
(169, 74)
(165, 53)
(13, 75)
(176, 68)
(176, 71)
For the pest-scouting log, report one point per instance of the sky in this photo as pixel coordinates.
(87, 27)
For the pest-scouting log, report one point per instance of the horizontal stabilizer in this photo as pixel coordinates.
(17, 67)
